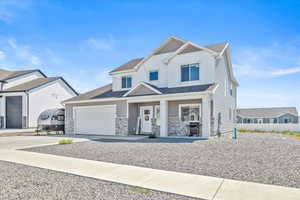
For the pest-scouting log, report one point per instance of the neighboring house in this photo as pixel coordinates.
(25, 94)
(279, 115)
(170, 92)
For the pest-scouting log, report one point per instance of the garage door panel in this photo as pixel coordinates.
(95, 120)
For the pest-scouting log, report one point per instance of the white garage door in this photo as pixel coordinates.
(95, 120)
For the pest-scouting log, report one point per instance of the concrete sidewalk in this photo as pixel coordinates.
(180, 183)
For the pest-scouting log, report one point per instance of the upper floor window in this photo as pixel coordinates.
(153, 75)
(190, 72)
(126, 81)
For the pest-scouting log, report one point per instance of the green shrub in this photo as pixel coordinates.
(65, 141)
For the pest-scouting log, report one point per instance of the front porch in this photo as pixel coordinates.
(173, 117)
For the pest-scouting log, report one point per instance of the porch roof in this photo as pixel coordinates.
(164, 91)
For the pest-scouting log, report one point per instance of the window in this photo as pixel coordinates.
(157, 114)
(230, 113)
(189, 112)
(153, 75)
(126, 81)
(61, 118)
(189, 72)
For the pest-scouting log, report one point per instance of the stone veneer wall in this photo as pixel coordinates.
(122, 126)
(69, 123)
(177, 128)
(155, 128)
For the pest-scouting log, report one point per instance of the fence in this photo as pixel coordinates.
(270, 127)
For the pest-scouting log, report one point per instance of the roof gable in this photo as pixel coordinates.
(142, 89)
(35, 83)
(171, 46)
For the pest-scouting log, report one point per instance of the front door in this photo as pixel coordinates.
(146, 113)
(14, 112)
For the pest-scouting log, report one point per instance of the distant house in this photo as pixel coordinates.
(279, 115)
(25, 94)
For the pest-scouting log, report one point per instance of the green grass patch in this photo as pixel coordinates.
(139, 189)
(65, 141)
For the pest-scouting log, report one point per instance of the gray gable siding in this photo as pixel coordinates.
(289, 117)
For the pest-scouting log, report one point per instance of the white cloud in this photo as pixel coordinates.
(2, 56)
(101, 43)
(281, 72)
(267, 61)
(23, 52)
(9, 9)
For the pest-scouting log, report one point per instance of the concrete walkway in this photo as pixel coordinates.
(180, 183)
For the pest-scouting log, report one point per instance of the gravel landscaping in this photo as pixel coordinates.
(257, 157)
(24, 182)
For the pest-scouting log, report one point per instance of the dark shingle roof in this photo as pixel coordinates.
(217, 47)
(129, 65)
(91, 94)
(30, 84)
(5, 74)
(175, 90)
(266, 112)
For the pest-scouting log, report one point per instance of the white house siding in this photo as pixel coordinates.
(169, 75)
(22, 79)
(270, 127)
(121, 111)
(45, 97)
(223, 103)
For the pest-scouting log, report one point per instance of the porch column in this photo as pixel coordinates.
(206, 117)
(163, 118)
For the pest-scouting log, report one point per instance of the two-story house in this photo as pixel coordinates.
(25, 94)
(179, 89)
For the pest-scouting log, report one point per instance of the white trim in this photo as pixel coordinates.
(176, 96)
(144, 84)
(190, 105)
(142, 108)
(178, 51)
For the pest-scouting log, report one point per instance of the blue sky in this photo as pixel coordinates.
(83, 40)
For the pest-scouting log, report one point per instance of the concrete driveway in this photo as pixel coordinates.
(21, 142)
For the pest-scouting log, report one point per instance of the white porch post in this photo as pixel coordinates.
(163, 118)
(206, 117)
